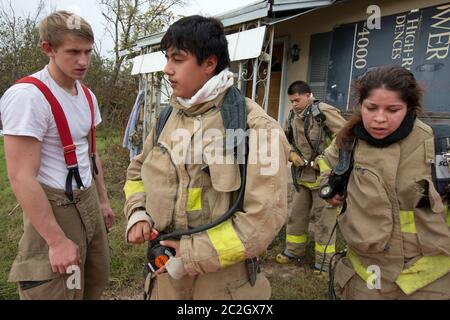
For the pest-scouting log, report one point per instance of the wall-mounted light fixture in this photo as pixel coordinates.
(294, 52)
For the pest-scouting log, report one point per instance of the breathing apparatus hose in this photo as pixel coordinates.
(233, 208)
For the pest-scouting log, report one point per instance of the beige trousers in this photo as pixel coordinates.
(306, 206)
(83, 224)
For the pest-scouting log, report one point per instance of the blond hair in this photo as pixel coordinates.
(54, 27)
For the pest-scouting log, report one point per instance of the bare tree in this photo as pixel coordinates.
(19, 43)
(127, 20)
(21, 55)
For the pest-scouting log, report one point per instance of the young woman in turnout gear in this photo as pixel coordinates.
(396, 223)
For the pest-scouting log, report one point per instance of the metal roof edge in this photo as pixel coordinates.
(258, 10)
(277, 7)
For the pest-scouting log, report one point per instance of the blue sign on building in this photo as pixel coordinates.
(418, 40)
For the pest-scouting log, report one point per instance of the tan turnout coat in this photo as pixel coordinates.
(383, 225)
(178, 196)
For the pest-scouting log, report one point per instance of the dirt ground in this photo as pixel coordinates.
(288, 282)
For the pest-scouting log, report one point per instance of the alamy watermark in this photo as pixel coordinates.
(374, 20)
(74, 21)
(213, 147)
(374, 279)
(73, 282)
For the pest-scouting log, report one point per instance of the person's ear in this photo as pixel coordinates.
(47, 49)
(211, 64)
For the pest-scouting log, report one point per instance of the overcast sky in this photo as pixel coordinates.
(90, 10)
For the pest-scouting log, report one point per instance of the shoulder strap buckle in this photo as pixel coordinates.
(70, 148)
(317, 113)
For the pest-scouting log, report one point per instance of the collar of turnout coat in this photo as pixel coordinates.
(199, 109)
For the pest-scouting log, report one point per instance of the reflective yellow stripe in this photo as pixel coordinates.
(194, 199)
(329, 249)
(425, 271)
(448, 217)
(323, 165)
(321, 248)
(227, 244)
(448, 214)
(132, 187)
(329, 140)
(311, 185)
(339, 210)
(296, 239)
(407, 224)
(360, 269)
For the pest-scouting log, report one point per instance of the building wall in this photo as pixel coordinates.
(299, 30)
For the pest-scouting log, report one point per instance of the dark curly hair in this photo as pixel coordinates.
(391, 77)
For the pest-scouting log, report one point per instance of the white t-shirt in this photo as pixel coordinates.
(25, 112)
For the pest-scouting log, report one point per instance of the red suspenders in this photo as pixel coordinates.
(70, 155)
(92, 134)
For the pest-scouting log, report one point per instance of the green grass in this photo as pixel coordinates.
(295, 281)
(127, 260)
(292, 282)
(10, 230)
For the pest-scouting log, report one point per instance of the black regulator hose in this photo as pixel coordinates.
(234, 207)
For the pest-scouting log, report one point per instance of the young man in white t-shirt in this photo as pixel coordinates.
(64, 252)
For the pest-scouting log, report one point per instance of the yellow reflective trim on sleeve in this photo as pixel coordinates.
(194, 199)
(296, 239)
(311, 185)
(131, 187)
(323, 165)
(329, 140)
(407, 224)
(448, 218)
(227, 244)
(448, 215)
(321, 248)
(423, 272)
